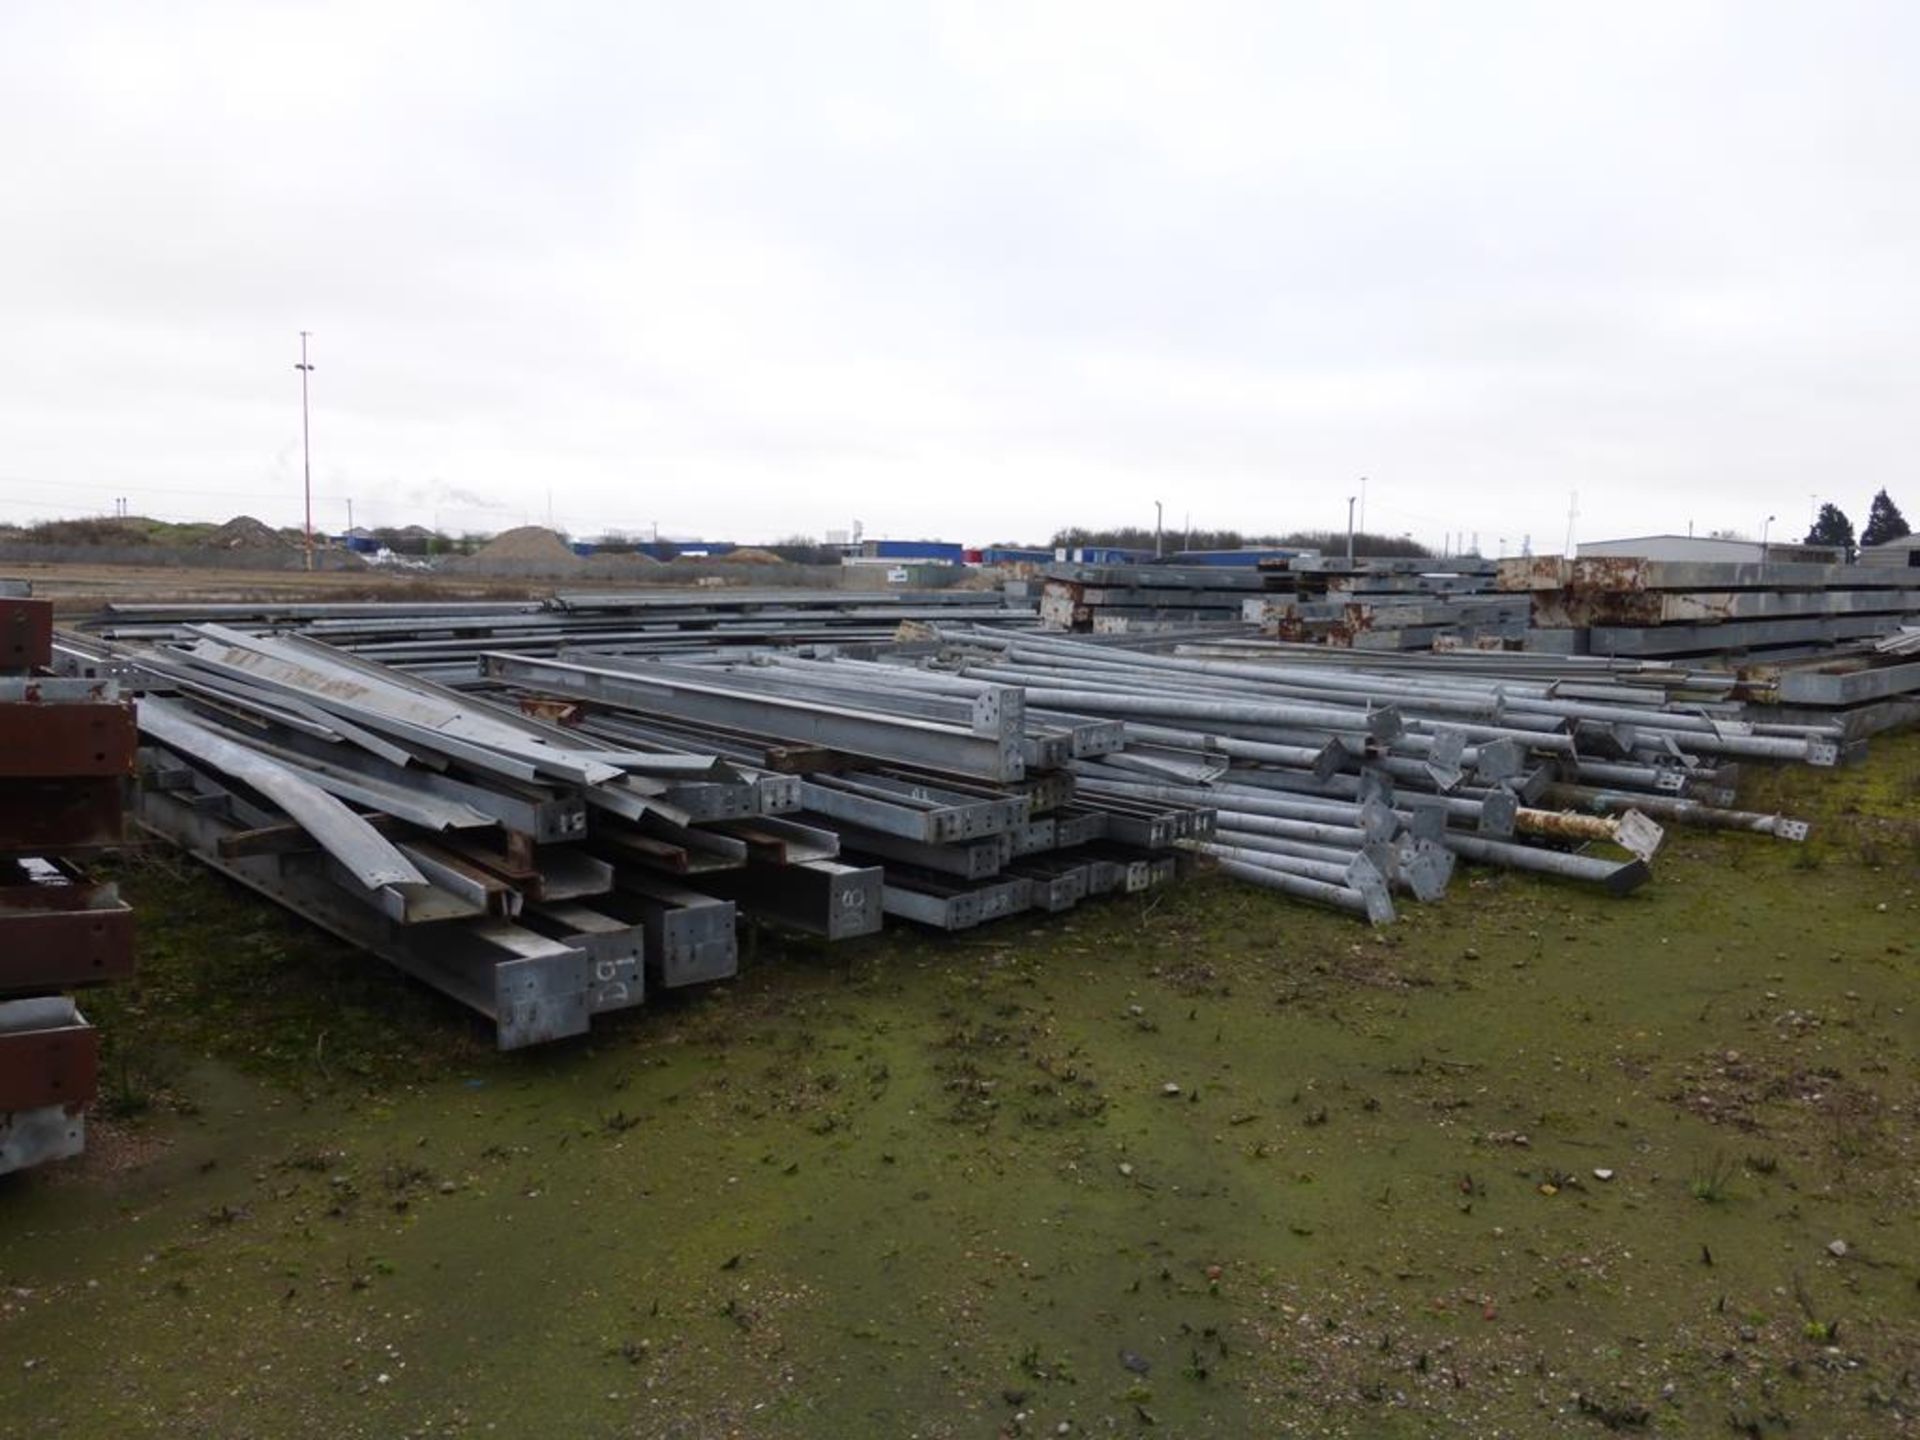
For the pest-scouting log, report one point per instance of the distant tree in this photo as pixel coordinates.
(1832, 528)
(1334, 542)
(1328, 541)
(1884, 522)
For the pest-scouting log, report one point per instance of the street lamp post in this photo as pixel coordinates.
(1350, 500)
(1764, 529)
(306, 450)
(1157, 513)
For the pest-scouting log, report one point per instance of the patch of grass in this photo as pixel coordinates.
(1711, 1180)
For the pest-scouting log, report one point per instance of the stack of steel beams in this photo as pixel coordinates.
(1381, 604)
(963, 801)
(441, 639)
(534, 874)
(1623, 606)
(66, 747)
(551, 842)
(1144, 599)
(1388, 604)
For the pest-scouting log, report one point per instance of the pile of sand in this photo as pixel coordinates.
(243, 532)
(747, 555)
(528, 544)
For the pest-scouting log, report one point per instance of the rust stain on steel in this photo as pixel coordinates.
(66, 739)
(551, 709)
(1608, 572)
(1566, 825)
(26, 634)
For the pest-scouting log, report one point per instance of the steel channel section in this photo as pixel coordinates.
(908, 816)
(348, 838)
(56, 937)
(692, 938)
(1055, 888)
(530, 999)
(925, 901)
(1049, 740)
(49, 1055)
(965, 859)
(1075, 826)
(616, 951)
(895, 739)
(826, 898)
(1806, 687)
(39, 741)
(545, 814)
(1034, 837)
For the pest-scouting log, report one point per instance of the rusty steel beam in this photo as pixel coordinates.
(49, 1055)
(26, 634)
(60, 739)
(57, 936)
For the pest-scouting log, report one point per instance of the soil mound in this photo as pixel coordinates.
(527, 543)
(243, 532)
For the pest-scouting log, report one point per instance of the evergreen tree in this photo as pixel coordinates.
(1884, 522)
(1832, 528)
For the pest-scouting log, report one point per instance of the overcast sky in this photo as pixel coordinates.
(971, 271)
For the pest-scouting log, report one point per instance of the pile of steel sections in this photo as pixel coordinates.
(964, 802)
(1624, 606)
(1331, 764)
(66, 748)
(563, 835)
(1369, 604)
(440, 639)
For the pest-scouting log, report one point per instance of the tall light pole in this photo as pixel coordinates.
(306, 449)
(1763, 537)
(1350, 500)
(1157, 511)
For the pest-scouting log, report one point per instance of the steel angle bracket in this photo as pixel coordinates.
(1639, 836)
(1442, 762)
(1365, 878)
(1424, 867)
(1499, 808)
(1498, 760)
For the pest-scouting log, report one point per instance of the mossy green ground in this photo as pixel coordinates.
(939, 1187)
